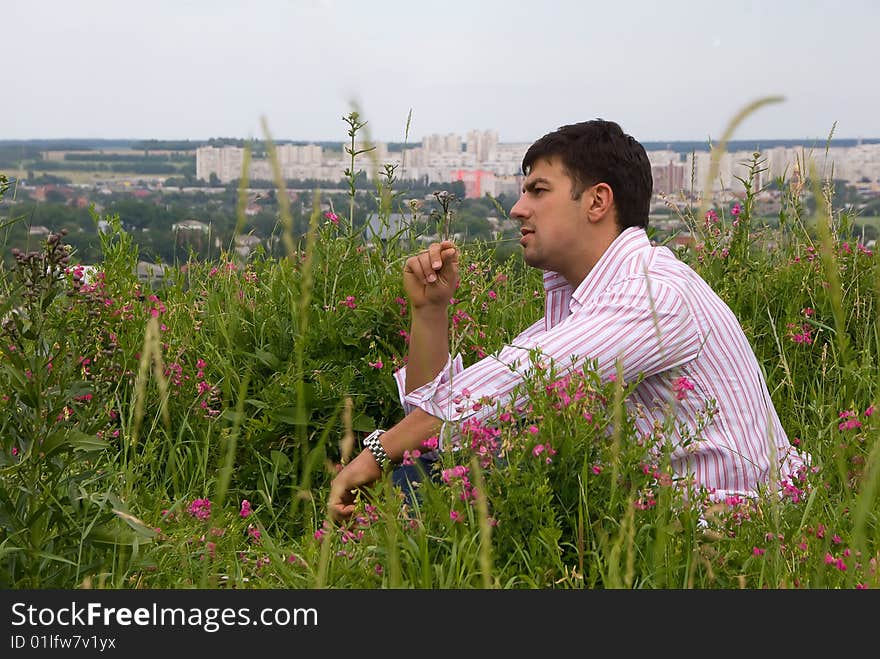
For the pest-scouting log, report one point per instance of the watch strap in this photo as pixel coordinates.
(374, 446)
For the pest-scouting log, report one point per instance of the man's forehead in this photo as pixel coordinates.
(549, 168)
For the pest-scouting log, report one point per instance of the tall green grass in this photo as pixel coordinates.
(134, 421)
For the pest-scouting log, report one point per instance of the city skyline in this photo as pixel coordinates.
(672, 72)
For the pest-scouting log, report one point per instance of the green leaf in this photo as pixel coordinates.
(112, 534)
(281, 462)
(285, 415)
(136, 525)
(354, 342)
(267, 358)
(54, 442)
(363, 423)
(5, 551)
(83, 442)
(233, 416)
(52, 557)
(37, 528)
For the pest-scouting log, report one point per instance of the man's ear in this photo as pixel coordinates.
(599, 202)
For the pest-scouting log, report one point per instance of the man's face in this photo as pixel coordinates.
(553, 225)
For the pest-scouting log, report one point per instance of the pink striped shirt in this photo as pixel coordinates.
(641, 304)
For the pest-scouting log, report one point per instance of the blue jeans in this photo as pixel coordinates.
(406, 477)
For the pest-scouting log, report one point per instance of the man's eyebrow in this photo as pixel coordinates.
(529, 186)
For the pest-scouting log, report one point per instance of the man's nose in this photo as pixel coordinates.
(519, 210)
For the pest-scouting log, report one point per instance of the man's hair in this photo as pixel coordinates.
(599, 151)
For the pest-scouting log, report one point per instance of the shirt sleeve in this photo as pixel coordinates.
(453, 367)
(647, 326)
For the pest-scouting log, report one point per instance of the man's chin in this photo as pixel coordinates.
(531, 260)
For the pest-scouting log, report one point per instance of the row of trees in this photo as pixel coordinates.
(151, 221)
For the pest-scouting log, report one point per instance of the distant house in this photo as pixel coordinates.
(383, 230)
(191, 233)
(245, 244)
(150, 272)
(39, 230)
(191, 225)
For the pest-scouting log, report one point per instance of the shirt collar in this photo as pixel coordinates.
(627, 244)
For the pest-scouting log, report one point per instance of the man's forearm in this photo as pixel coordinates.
(428, 345)
(407, 435)
(410, 433)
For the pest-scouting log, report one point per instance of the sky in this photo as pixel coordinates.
(664, 70)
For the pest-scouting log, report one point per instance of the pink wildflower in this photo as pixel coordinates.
(200, 509)
(409, 457)
(245, 508)
(850, 420)
(681, 386)
(333, 217)
(804, 337)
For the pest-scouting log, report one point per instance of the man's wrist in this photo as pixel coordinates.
(373, 444)
(431, 309)
(368, 466)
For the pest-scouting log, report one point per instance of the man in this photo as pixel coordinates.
(611, 296)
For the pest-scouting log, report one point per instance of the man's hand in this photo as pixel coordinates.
(361, 471)
(431, 277)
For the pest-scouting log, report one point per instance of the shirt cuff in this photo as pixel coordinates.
(417, 397)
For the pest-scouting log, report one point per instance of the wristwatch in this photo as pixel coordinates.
(372, 443)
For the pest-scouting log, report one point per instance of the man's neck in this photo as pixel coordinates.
(591, 255)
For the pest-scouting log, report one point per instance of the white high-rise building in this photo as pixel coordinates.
(223, 161)
(482, 144)
(449, 143)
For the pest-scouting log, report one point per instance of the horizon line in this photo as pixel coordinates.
(343, 141)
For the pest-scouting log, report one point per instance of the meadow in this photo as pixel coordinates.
(183, 435)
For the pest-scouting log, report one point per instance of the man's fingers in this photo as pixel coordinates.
(426, 266)
(434, 253)
(449, 254)
(426, 261)
(415, 266)
(440, 252)
(341, 512)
